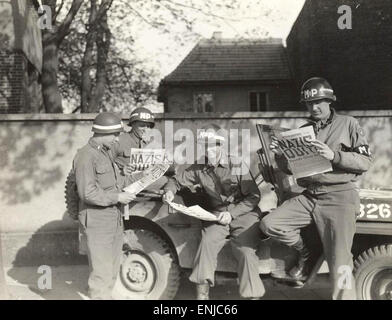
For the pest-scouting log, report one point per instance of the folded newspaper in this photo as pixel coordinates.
(194, 211)
(149, 176)
(148, 156)
(302, 155)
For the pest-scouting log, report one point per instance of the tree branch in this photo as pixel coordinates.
(126, 3)
(200, 10)
(54, 17)
(66, 24)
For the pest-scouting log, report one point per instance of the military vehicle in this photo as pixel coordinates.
(159, 244)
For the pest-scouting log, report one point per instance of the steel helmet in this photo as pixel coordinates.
(107, 122)
(210, 133)
(315, 89)
(143, 115)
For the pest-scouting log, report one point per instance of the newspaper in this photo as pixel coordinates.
(148, 156)
(194, 211)
(303, 158)
(149, 176)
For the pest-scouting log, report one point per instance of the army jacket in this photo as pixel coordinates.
(121, 150)
(97, 178)
(226, 187)
(352, 156)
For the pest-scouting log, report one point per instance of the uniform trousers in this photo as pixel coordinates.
(104, 232)
(334, 214)
(244, 239)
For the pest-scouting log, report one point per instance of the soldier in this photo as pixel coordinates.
(142, 121)
(234, 198)
(99, 186)
(330, 199)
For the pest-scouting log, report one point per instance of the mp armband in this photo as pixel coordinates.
(363, 149)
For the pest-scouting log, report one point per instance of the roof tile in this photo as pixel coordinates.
(228, 60)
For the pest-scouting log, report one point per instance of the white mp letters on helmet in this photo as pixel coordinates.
(210, 135)
(310, 93)
(145, 116)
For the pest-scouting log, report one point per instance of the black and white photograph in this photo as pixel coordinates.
(195, 150)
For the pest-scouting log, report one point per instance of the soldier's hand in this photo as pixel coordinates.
(274, 146)
(225, 218)
(126, 197)
(323, 150)
(131, 168)
(168, 197)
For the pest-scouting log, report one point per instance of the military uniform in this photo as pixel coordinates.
(99, 183)
(227, 190)
(121, 152)
(330, 199)
(122, 149)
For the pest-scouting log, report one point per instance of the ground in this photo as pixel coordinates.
(70, 282)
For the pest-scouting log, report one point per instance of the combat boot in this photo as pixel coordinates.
(202, 291)
(301, 270)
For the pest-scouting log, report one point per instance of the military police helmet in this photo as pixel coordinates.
(210, 133)
(143, 115)
(107, 122)
(315, 89)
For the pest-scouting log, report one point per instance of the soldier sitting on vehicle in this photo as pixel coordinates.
(233, 196)
(330, 199)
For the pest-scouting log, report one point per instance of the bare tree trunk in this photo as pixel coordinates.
(50, 90)
(51, 41)
(87, 60)
(103, 46)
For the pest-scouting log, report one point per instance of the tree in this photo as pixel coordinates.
(111, 79)
(99, 66)
(51, 41)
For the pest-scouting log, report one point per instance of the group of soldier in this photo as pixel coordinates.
(102, 169)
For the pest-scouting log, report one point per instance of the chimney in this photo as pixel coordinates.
(217, 35)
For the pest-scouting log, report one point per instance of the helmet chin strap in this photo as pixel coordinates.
(137, 134)
(217, 159)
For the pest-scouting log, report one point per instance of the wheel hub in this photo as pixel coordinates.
(137, 272)
(380, 284)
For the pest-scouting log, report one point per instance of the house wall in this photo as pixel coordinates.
(36, 156)
(356, 61)
(230, 98)
(20, 57)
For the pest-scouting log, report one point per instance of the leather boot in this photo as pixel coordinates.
(301, 270)
(202, 291)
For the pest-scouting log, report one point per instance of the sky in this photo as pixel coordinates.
(161, 52)
(268, 18)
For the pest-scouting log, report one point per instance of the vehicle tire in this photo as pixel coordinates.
(373, 273)
(71, 196)
(149, 270)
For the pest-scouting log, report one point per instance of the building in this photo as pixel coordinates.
(227, 75)
(20, 57)
(357, 61)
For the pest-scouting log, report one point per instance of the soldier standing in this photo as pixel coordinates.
(234, 198)
(330, 199)
(142, 121)
(99, 186)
